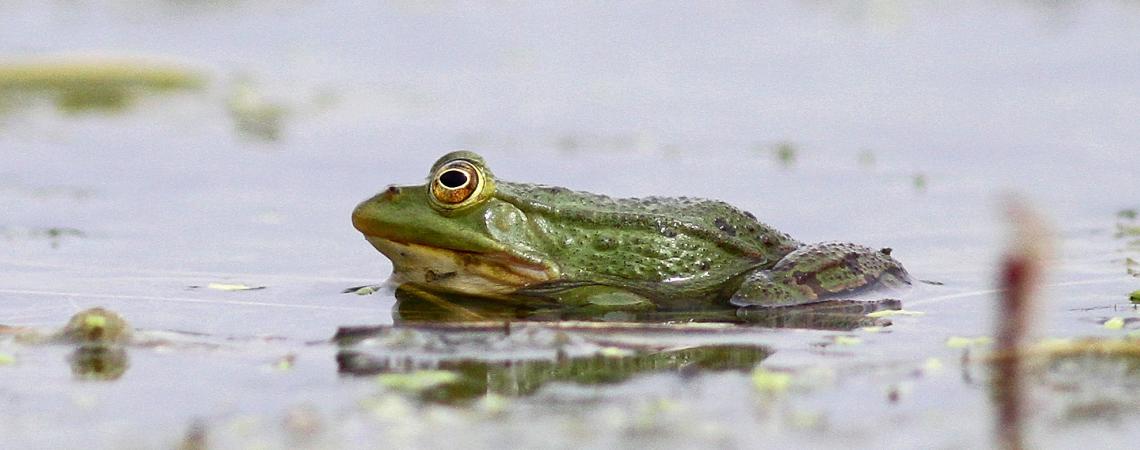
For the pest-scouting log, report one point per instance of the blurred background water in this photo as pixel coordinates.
(900, 124)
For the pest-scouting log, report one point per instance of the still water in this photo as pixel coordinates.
(885, 123)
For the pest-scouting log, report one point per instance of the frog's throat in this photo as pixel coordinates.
(459, 271)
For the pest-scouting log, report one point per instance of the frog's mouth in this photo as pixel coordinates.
(460, 271)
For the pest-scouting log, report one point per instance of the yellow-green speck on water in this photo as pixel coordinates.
(418, 381)
(919, 182)
(768, 381)
(1134, 297)
(786, 153)
(1114, 323)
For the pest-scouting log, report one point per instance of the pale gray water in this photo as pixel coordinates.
(980, 99)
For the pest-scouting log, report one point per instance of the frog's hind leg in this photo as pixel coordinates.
(818, 272)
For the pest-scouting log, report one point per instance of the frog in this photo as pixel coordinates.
(466, 232)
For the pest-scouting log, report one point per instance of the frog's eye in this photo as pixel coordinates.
(454, 183)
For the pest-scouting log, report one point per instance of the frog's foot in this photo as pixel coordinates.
(824, 315)
(819, 272)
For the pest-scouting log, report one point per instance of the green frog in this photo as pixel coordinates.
(466, 232)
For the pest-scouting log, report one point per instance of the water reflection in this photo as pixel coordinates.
(415, 305)
(473, 377)
(99, 363)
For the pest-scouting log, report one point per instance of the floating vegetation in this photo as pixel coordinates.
(254, 114)
(230, 287)
(97, 326)
(1115, 323)
(90, 83)
(1128, 228)
(771, 382)
(55, 235)
(918, 181)
(1134, 297)
(866, 158)
(784, 152)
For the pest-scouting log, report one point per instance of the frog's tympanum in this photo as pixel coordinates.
(466, 232)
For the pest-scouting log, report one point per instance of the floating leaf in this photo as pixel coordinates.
(233, 287)
(1114, 323)
(765, 380)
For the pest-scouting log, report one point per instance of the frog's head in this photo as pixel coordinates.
(452, 233)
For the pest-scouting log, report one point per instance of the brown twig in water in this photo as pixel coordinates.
(1020, 274)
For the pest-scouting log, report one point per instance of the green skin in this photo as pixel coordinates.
(583, 249)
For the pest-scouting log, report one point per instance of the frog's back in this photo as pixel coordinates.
(655, 243)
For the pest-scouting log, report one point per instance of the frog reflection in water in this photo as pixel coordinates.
(466, 232)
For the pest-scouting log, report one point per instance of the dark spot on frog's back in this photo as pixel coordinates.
(724, 226)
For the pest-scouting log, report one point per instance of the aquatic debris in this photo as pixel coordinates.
(895, 312)
(1064, 348)
(195, 438)
(770, 382)
(362, 290)
(230, 287)
(786, 153)
(417, 381)
(285, 363)
(1134, 297)
(1129, 214)
(254, 114)
(85, 83)
(1021, 271)
(7, 359)
(55, 235)
(302, 422)
(492, 404)
(615, 352)
(932, 366)
(846, 340)
(866, 158)
(1114, 323)
(98, 326)
(918, 181)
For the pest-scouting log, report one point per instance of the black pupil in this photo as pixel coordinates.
(453, 179)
